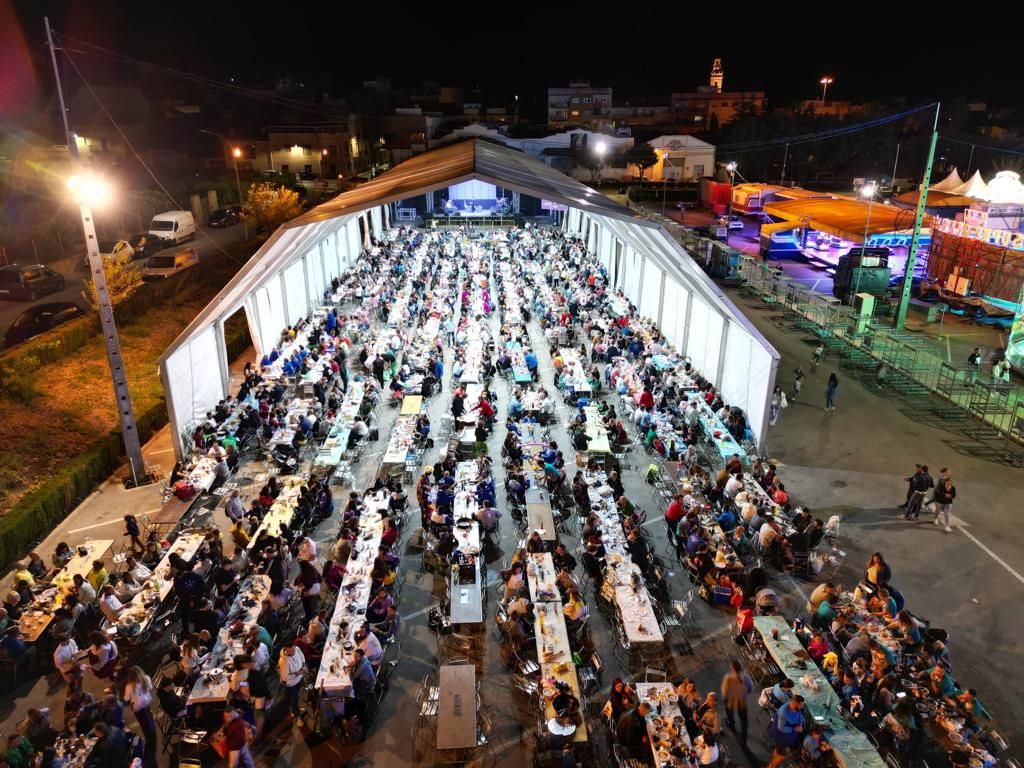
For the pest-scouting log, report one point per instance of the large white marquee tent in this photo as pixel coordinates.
(285, 280)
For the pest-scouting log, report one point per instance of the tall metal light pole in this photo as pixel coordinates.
(895, 163)
(236, 153)
(908, 270)
(731, 168)
(867, 191)
(85, 192)
(825, 83)
(785, 157)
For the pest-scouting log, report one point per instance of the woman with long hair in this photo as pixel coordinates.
(138, 693)
(830, 392)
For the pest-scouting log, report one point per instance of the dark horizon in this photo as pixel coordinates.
(655, 52)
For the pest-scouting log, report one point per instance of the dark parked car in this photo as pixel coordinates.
(224, 217)
(40, 318)
(146, 244)
(29, 283)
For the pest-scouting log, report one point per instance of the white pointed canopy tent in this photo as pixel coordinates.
(973, 187)
(949, 183)
(285, 280)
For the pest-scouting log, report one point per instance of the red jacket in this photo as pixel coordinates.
(235, 734)
(647, 399)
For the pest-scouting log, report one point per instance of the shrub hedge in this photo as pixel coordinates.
(38, 512)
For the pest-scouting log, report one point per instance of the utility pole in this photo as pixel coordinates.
(908, 270)
(236, 153)
(785, 157)
(129, 432)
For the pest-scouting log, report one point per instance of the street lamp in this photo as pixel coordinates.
(87, 191)
(825, 83)
(731, 168)
(600, 148)
(868, 193)
(236, 153)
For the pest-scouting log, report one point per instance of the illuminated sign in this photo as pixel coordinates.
(1002, 238)
(897, 240)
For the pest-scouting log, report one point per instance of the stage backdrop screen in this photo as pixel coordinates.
(481, 195)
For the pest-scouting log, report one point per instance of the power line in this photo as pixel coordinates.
(976, 145)
(743, 147)
(282, 101)
(138, 157)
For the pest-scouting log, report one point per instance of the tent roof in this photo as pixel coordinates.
(937, 199)
(949, 183)
(438, 169)
(845, 218)
(973, 187)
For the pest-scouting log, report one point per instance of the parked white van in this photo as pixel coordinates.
(164, 265)
(175, 226)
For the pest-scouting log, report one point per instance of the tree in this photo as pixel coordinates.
(643, 157)
(123, 279)
(589, 159)
(268, 206)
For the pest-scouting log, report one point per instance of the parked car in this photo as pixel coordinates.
(145, 244)
(30, 282)
(165, 265)
(224, 217)
(40, 318)
(176, 226)
(735, 222)
(117, 250)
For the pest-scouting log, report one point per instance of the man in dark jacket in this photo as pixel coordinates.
(631, 729)
(111, 750)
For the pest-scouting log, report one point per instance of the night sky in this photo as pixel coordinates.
(873, 52)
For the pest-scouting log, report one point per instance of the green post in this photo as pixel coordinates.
(908, 270)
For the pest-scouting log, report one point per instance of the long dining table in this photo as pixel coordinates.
(849, 744)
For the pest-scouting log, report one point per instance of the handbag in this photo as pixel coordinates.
(219, 742)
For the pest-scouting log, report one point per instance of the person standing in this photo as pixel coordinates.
(291, 666)
(798, 381)
(736, 689)
(138, 693)
(237, 734)
(945, 492)
(830, 392)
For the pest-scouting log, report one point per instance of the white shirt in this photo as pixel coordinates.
(64, 657)
(141, 572)
(733, 486)
(86, 594)
(372, 648)
(548, 406)
(290, 667)
(111, 607)
(137, 697)
(262, 657)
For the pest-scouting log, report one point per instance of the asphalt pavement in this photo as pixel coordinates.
(206, 242)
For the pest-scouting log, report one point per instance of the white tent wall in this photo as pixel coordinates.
(315, 274)
(296, 304)
(375, 216)
(749, 377)
(193, 378)
(271, 314)
(673, 308)
(650, 291)
(352, 232)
